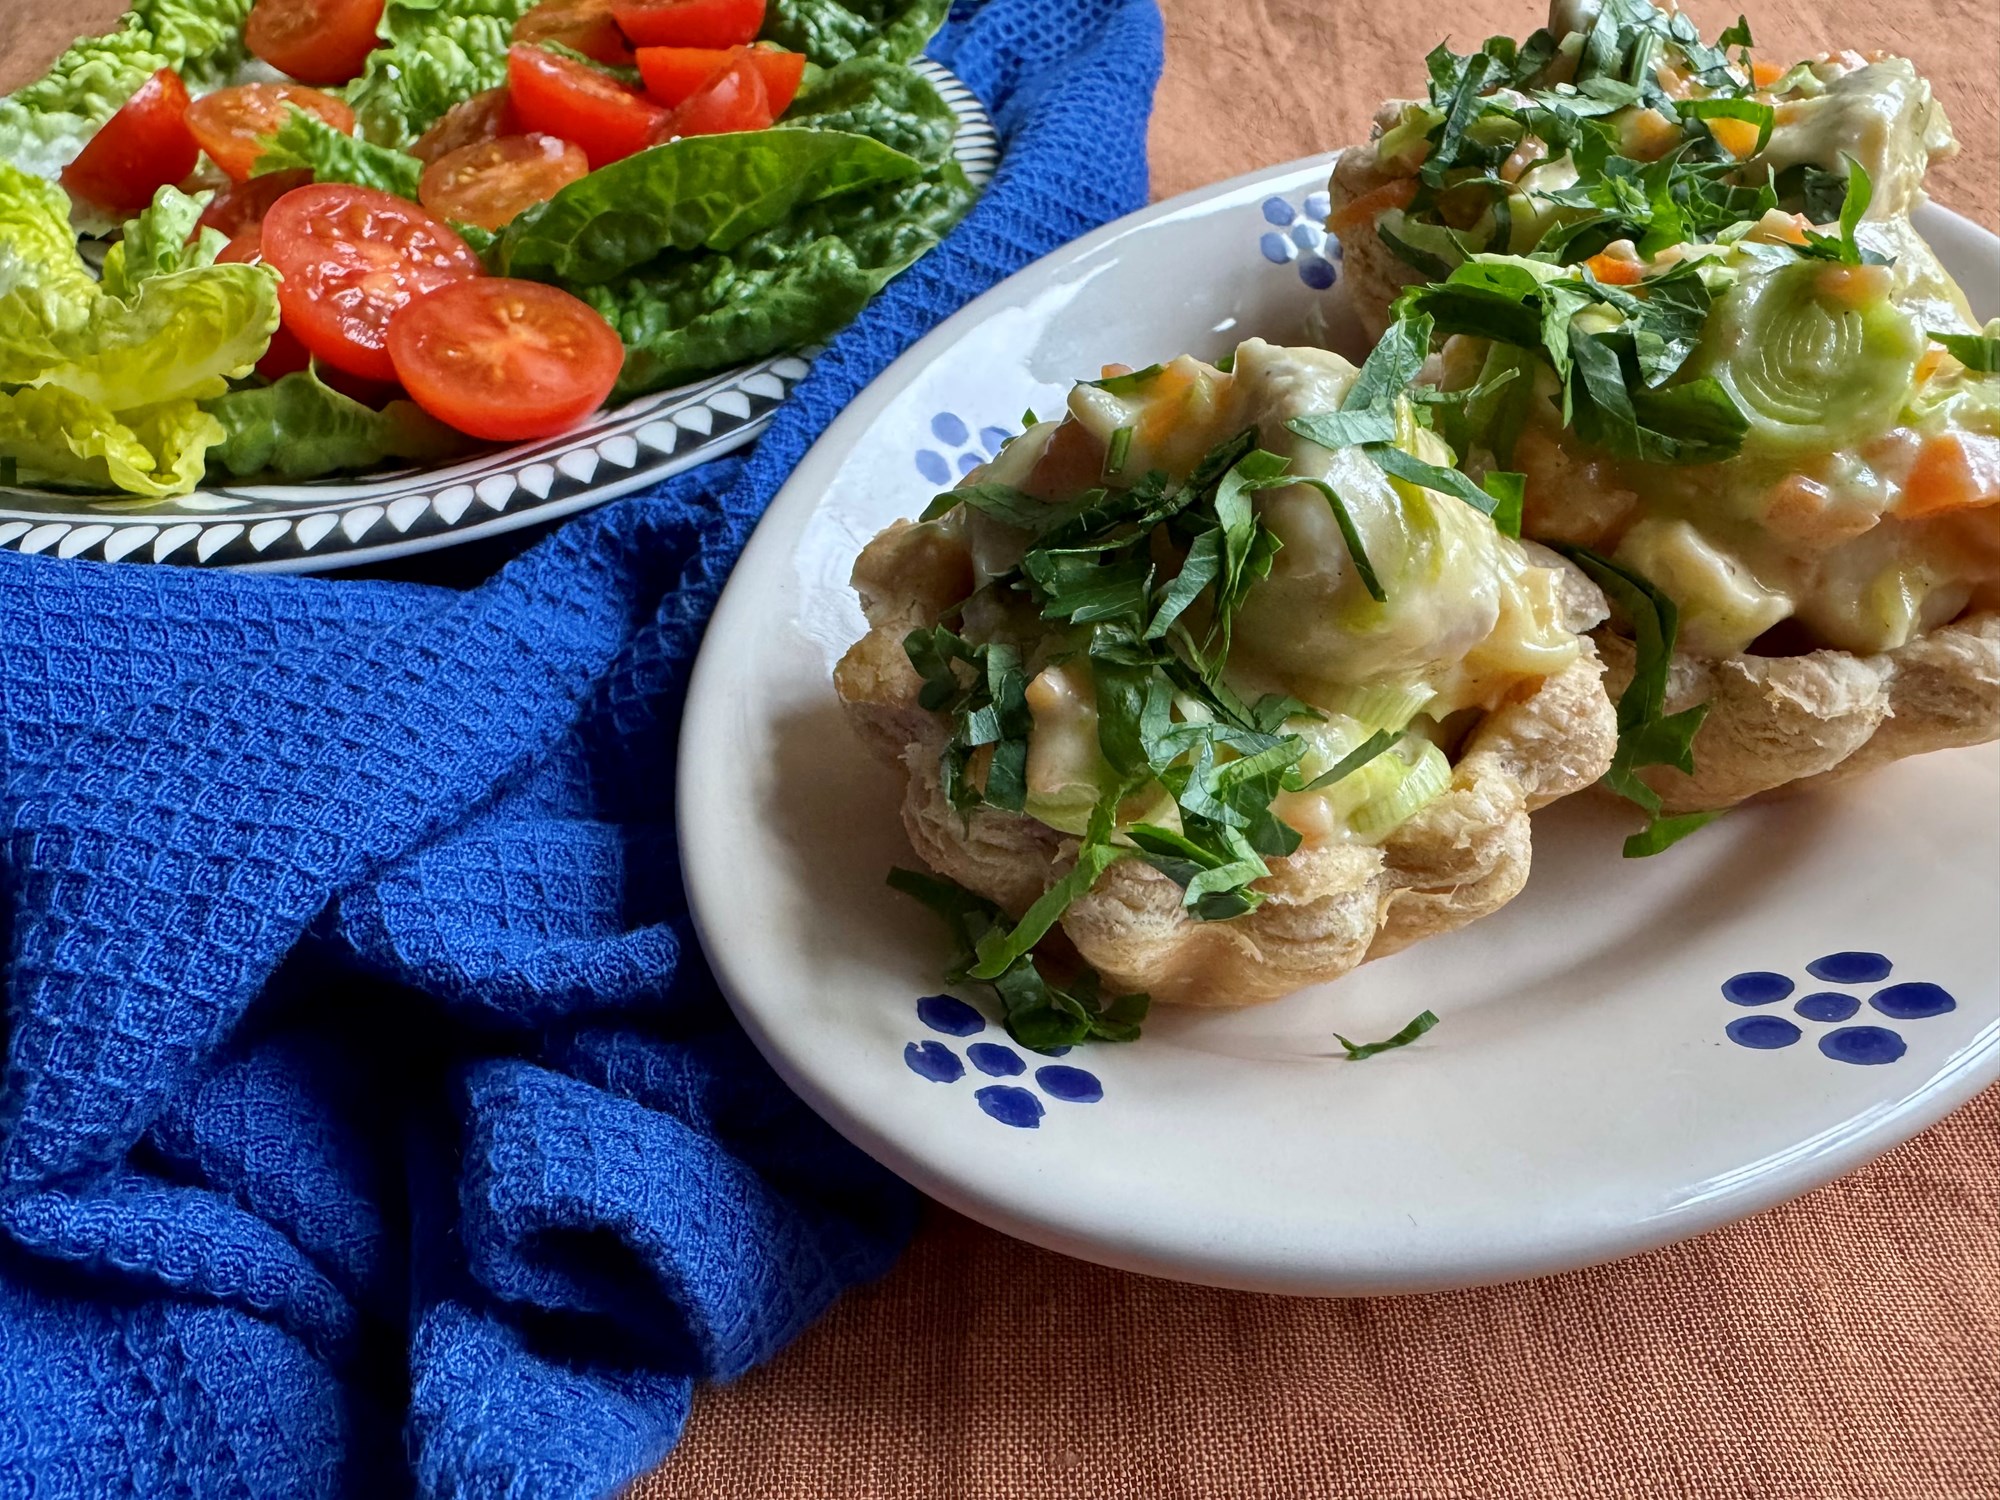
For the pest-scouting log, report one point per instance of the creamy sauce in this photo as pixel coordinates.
(1470, 616)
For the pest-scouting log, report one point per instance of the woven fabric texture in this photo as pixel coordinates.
(369, 1112)
(1842, 1347)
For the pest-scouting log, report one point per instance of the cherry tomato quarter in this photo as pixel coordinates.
(505, 360)
(733, 101)
(350, 257)
(140, 149)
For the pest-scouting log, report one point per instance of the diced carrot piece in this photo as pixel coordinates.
(1764, 74)
(1372, 204)
(1928, 364)
(1807, 511)
(1109, 372)
(1648, 135)
(1855, 286)
(1165, 399)
(1953, 471)
(1616, 270)
(1737, 137)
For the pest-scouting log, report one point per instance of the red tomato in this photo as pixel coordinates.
(138, 150)
(585, 25)
(491, 182)
(231, 123)
(486, 116)
(316, 41)
(691, 23)
(574, 103)
(242, 205)
(506, 360)
(676, 74)
(733, 101)
(782, 72)
(350, 257)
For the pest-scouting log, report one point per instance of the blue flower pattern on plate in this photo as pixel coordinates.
(1298, 237)
(1010, 1103)
(960, 450)
(1865, 1045)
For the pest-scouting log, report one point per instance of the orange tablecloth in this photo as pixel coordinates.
(1845, 1345)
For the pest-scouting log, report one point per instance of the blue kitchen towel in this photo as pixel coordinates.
(371, 1123)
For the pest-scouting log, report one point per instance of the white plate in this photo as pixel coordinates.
(290, 527)
(1591, 1092)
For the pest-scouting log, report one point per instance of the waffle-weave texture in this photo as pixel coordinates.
(370, 1119)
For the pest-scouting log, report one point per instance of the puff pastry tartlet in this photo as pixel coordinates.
(1297, 717)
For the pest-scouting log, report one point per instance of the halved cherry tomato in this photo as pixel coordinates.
(231, 123)
(138, 150)
(733, 101)
(505, 359)
(565, 99)
(316, 41)
(676, 74)
(242, 205)
(585, 25)
(350, 257)
(491, 182)
(691, 23)
(486, 116)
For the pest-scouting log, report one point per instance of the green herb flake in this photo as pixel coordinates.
(1417, 1027)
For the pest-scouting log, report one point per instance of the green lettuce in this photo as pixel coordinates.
(801, 280)
(160, 241)
(335, 156)
(874, 96)
(830, 31)
(439, 52)
(707, 192)
(300, 427)
(44, 124)
(55, 436)
(102, 380)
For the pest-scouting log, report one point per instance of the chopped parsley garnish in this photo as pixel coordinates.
(1416, 1028)
(1647, 734)
(1978, 352)
(1155, 638)
(1039, 1012)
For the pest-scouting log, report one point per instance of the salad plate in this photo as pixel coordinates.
(347, 520)
(1631, 1053)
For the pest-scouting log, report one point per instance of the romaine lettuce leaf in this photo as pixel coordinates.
(110, 374)
(798, 281)
(160, 241)
(335, 156)
(701, 192)
(438, 52)
(44, 124)
(300, 428)
(831, 31)
(876, 97)
(55, 436)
